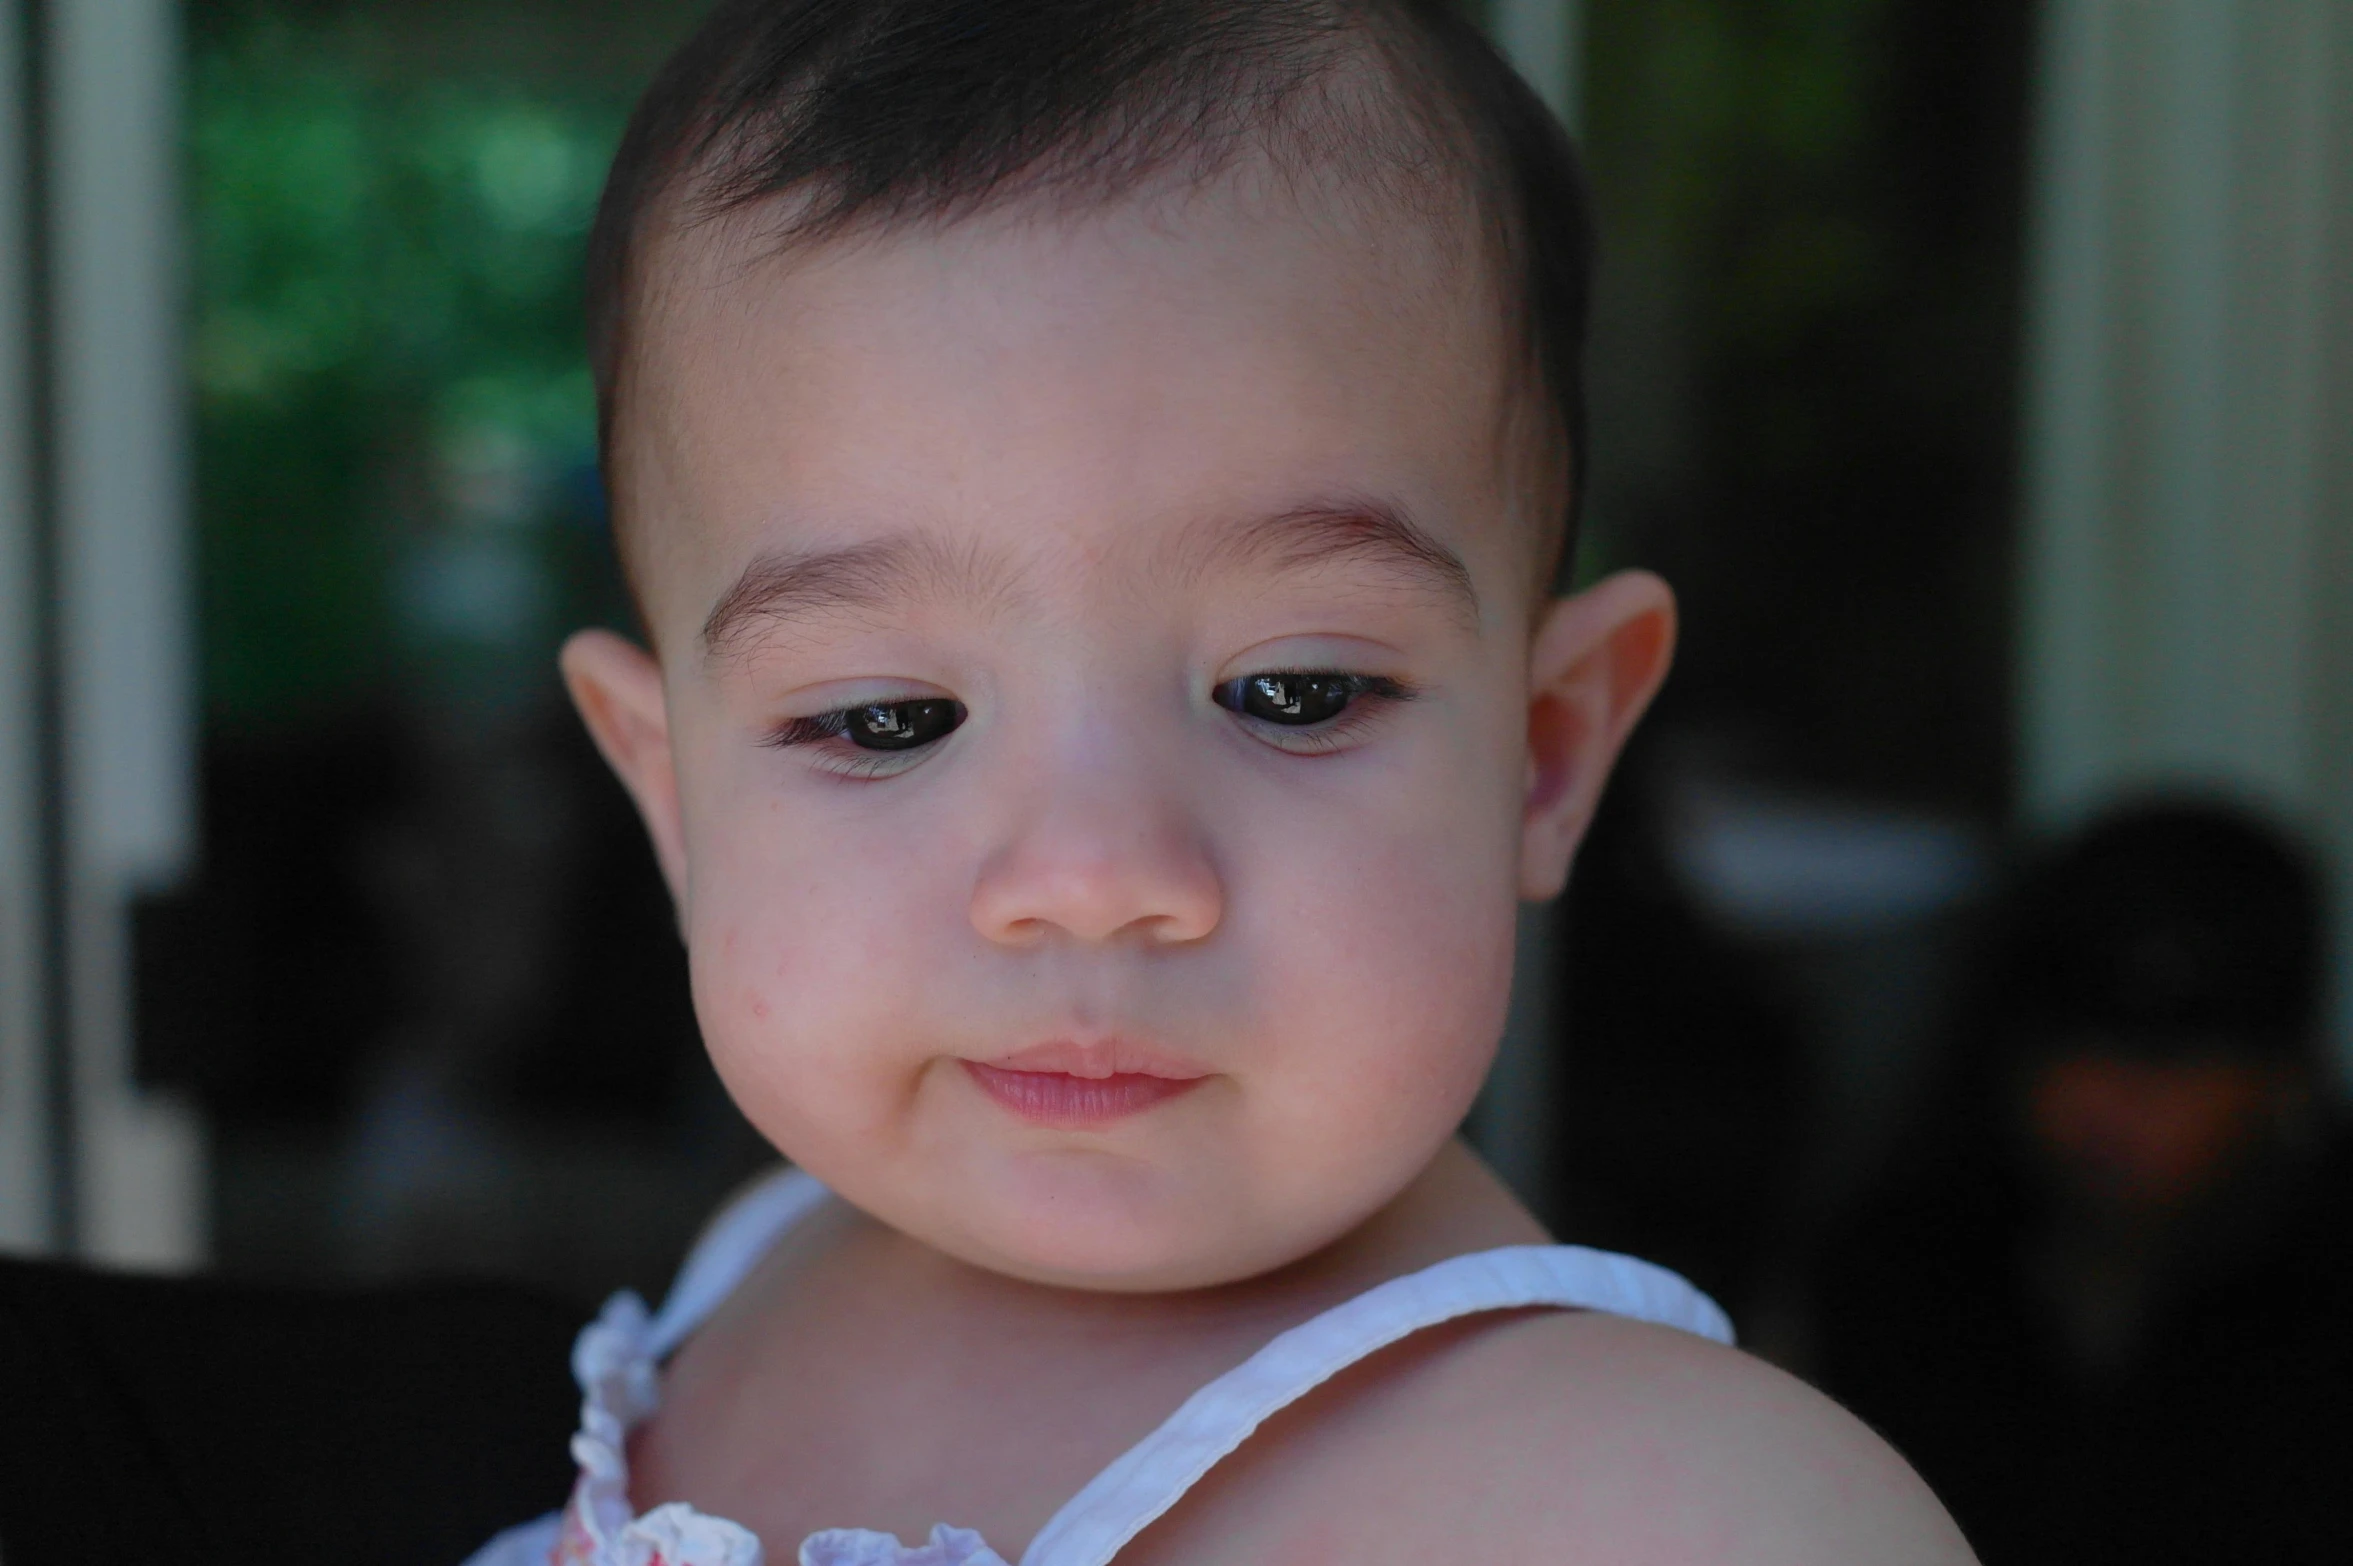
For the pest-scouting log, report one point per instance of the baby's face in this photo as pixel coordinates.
(1090, 745)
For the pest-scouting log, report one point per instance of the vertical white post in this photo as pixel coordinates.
(2331, 756)
(126, 651)
(2190, 393)
(24, 1118)
(1544, 40)
(1513, 1123)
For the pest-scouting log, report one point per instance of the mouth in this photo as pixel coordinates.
(1072, 1087)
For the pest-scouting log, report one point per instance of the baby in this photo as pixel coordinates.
(1092, 472)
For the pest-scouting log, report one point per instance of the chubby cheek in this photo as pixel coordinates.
(1352, 993)
(806, 961)
(1385, 985)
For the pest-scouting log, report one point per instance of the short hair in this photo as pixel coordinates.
(889, 112)
(2167, 926)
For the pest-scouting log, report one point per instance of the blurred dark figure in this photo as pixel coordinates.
(2108, 1307)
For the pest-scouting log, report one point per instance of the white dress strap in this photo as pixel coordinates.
(617, 1360)
(1154, 1475)
(732, 1244)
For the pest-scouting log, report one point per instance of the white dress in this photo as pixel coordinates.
(617, 1362)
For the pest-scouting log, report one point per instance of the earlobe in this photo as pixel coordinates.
(1595, 663)
(617, 688)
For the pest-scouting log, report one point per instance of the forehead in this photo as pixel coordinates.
(1032, 382)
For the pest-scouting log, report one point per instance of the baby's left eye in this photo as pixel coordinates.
(880, 739)
(899, 725)
(1301, 699)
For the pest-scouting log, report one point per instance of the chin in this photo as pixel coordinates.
(1091, 1221)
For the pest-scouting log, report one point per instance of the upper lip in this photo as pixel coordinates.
(1100, 1058)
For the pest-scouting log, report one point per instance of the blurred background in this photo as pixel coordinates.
(1981, 375)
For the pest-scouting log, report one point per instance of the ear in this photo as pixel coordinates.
(1596, 661)
(617, 687)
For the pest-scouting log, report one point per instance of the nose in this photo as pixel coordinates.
(1099, 857)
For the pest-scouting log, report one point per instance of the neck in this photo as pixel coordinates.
(1455, 1206)
(775, 1413)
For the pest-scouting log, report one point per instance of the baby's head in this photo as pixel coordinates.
(1091, 471)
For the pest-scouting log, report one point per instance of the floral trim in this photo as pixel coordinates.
(620, 1387)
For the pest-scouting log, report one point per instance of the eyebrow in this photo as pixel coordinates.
(784, 586)
(870, 575)
(1356, 530)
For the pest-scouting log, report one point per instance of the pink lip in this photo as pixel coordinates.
(1071, 1086)
(1056, 1098)
(1099, 1059)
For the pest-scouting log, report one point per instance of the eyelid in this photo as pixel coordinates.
(810, 730)
(1379, 687)
(835, 700)
(822, 736)
(1314, 652)
(1368, 706)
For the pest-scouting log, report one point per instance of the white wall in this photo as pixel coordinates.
(129, 655)
(24, 1145)
(2188, 534)
(1545, 40)
(123, 658)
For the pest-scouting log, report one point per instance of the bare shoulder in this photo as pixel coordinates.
(1568, 1436)
(1667, 1447)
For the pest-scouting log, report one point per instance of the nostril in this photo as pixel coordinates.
(1096, 875)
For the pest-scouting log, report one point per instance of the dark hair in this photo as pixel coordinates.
(2165, 926)
(905, 110)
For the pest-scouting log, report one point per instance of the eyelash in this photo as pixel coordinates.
(820, 732)
(1367, 694)
(823, 733)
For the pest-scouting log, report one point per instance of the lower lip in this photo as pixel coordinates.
(1058, 1099)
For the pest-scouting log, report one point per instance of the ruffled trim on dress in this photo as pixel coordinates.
(617, 1361)
(618, 1367)
(620, 1386)
(863, 1547)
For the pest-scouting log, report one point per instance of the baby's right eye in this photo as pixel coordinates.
(898, 725)
(886, 732)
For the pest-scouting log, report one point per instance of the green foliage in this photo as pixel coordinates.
(1749, 135)
(386, 273)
